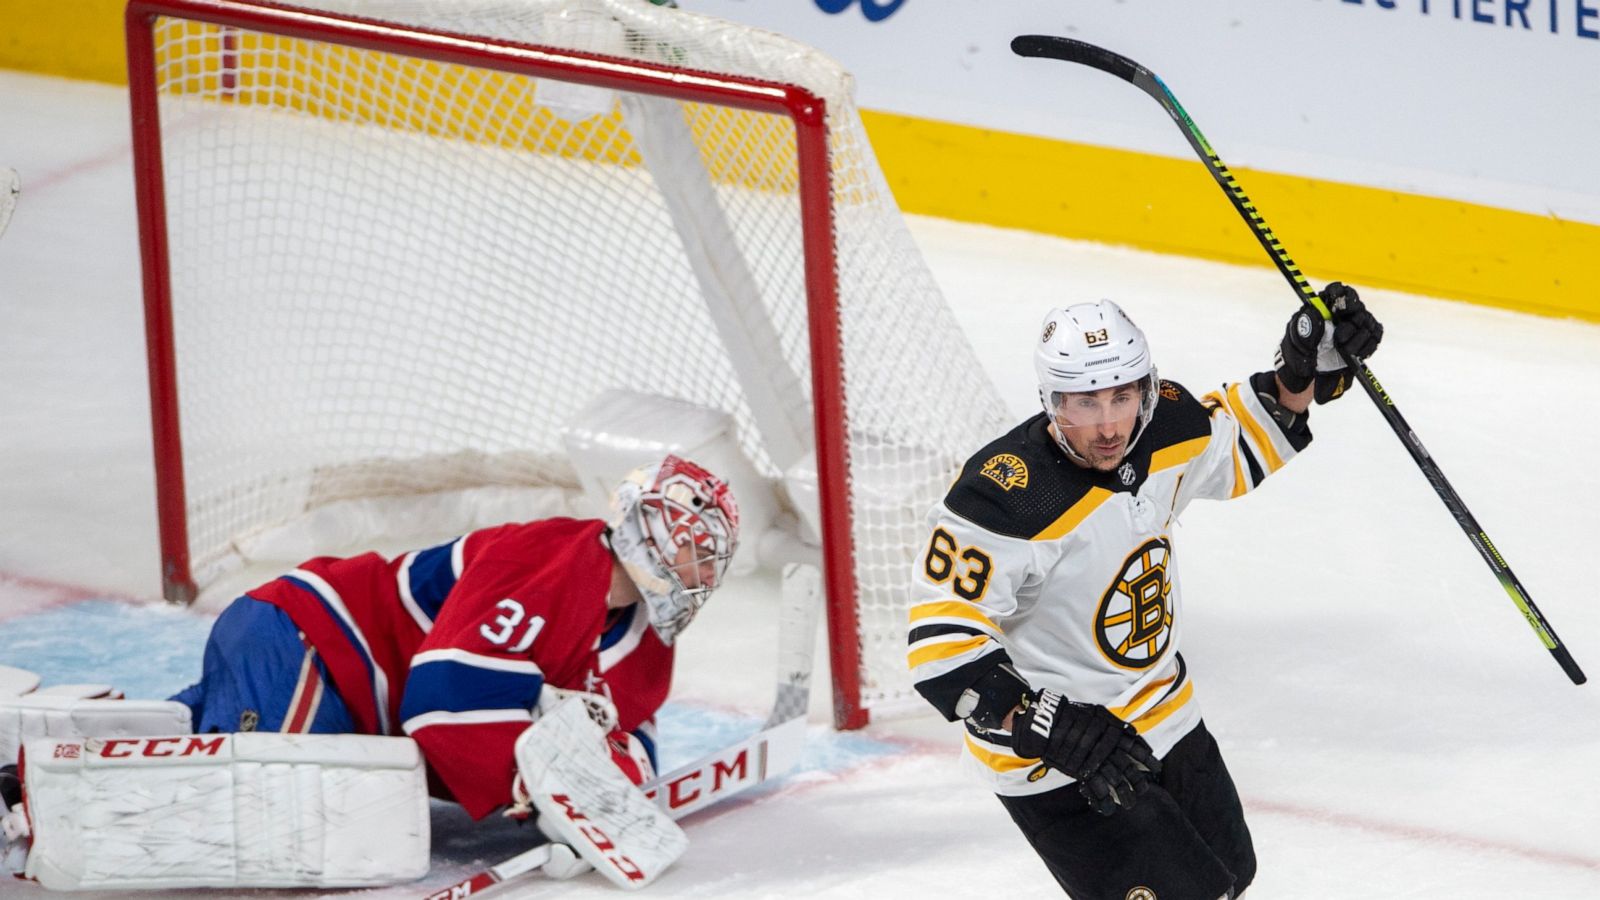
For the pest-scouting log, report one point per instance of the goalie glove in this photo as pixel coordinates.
(1111, 762)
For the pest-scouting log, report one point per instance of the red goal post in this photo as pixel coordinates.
(247, 112)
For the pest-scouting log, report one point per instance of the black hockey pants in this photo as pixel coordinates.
(1186, 838)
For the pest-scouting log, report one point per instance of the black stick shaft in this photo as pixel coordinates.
(1075, 51)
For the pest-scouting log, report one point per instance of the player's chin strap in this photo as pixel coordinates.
(717, 776)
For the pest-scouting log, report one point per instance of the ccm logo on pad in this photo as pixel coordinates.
(685, 790)
(188, 745)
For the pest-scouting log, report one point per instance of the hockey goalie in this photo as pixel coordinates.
(516, 669)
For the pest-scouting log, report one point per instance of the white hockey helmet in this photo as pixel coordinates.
(1089, 347)
(660, 508)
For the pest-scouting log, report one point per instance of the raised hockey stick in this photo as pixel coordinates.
(1075, 51)
(762, 757)
(10, 187)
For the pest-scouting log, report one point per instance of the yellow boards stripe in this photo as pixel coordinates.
(1178, 454)
(1074, 515)
(944, 650)
(1536, 263)
(1257, 433)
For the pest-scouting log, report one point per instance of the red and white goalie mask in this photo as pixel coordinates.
(674, 529)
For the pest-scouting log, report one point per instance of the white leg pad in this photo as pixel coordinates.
(47, 715)
(227, 811)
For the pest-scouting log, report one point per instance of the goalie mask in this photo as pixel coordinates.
(1090, 347)
(674, 529)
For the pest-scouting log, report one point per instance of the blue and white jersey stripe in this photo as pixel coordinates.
(426, 578)
(315, 585)
(458, 686)
(623, 635)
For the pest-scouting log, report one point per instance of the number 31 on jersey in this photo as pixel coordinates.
(967, 568)
(498, 631)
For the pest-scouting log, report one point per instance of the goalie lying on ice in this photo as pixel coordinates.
(454, 645)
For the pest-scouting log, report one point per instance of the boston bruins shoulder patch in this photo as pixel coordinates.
(1006, 470)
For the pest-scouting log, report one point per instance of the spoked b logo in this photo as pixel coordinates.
(1134, 622)
(874, 10)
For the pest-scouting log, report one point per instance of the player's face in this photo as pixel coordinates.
(1098, 424)
(695, 566)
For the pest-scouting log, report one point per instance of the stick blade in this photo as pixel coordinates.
(1075, 51)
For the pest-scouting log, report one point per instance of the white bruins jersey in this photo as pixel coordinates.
(1068, 573)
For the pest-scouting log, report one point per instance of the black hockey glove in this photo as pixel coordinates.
(1309, 351)
(1108, 757)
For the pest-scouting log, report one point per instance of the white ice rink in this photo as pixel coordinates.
(1394, 727)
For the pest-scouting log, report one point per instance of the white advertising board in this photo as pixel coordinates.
(1490, 101)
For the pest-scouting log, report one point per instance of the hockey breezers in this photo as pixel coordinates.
(1074, 51)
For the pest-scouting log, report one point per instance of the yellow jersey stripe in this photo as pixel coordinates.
(1155, 716)
(1138, 700)
(1000, 762)
(1257, 433)
(944, 650)
(1074, 515)
(1178, 454)
(1240, 482)
(954, 609)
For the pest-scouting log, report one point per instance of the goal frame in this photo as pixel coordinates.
(807, 111)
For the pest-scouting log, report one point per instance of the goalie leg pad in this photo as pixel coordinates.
(586, 802)
(226, 810)
(50, 715)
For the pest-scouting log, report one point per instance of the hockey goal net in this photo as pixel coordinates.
(390, 248)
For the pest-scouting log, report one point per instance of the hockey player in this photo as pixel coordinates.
(454, 644)
(462, 647)
(1046, 610)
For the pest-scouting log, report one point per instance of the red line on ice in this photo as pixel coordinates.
(48, 594)
(1421, 834)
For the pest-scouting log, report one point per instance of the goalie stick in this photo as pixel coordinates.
(1075, 51)
(728, 772)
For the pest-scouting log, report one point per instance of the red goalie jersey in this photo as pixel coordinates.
(452, 645)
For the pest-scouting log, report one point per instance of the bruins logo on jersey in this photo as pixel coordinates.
(1134, 622)
(1169, 391)
(1007, 471)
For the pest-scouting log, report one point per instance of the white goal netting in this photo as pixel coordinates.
(391, 275)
